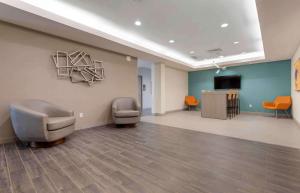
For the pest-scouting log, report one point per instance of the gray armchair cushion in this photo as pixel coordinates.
(127, 113)
(55, 123)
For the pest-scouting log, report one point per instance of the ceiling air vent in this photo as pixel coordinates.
(195, 57)
(216, 50)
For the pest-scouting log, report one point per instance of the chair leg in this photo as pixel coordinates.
(239, 106)
(287, 114)
(230, 108)
(235, 107)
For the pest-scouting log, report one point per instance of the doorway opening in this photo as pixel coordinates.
(145, 86)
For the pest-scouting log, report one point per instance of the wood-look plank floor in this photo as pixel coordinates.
(150, 159)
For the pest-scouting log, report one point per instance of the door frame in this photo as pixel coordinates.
(140, 80)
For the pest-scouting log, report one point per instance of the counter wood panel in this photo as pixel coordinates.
(214, 104)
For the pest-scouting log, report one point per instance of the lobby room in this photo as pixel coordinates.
(150, 96)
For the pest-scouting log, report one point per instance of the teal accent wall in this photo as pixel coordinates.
(259, 82)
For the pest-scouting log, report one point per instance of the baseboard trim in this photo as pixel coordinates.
(265, 114)
(158, 114)
(94, 125)
(174, 111)
(281, 115)
(8, 140)
(253, 113)
(99, 125)
(258, 113)
(167, 112)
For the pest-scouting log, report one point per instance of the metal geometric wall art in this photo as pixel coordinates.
(78, 66)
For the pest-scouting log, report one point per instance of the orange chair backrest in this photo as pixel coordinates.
(283, 102)
(190, 99)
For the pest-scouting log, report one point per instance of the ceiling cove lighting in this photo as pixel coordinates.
(224, 25)
(80, 19)
(138, 23)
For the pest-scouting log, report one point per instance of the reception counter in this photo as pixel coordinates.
(214, 103)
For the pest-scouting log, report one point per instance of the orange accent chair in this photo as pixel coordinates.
(191, 101)
(281, 103)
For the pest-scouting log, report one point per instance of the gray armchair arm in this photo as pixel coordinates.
(138, 107)
(28, 123)
(114, 107)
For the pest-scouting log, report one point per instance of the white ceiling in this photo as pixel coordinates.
(280, 25)
(193, 24)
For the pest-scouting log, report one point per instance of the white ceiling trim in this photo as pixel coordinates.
(80, 19)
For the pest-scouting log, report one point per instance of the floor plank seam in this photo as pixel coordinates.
(109, 165)
(8, 171)
(152, 158)
(154, 184)
(73, 164)
(62, 169)
(45, 171)
(107, 177)
(94, 181)
(25, 168)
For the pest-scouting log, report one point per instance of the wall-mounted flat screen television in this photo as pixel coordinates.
(227, 82)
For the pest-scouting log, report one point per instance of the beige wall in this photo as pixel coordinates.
(26, 71)
(176, 84)
(295, 94)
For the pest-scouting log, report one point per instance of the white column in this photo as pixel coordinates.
(158, 88)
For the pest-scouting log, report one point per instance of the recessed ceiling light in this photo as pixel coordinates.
(236, 42)
(171, 41)
(224, 25)
(138, 23)
(221, 56)
(192, 52)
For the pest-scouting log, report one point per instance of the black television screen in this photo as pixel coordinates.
(227, 82)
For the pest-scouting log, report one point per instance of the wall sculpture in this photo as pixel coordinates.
(78, 66)
(297, 75)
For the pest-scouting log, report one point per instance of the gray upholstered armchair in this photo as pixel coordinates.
(125, 110)
(40, 121)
